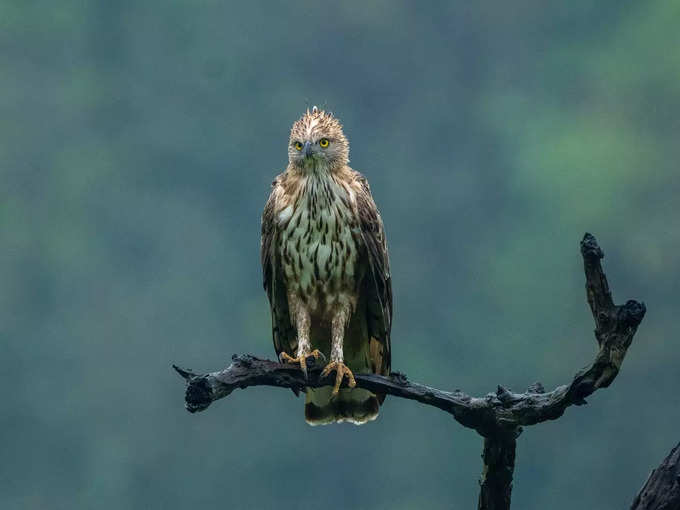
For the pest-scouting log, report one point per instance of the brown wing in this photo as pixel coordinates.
(378, 282)
(283, 332)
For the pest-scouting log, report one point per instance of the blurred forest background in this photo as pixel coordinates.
(138, 141)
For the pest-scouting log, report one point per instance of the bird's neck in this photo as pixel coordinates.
(302, 185)
(319, 189)
(314, 168)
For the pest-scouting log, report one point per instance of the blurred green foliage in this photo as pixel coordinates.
(137, 144)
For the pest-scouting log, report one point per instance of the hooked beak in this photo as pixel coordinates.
(307, 149)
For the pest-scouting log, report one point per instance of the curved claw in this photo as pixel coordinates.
(301, 359)
(341, 370)
(317, 354)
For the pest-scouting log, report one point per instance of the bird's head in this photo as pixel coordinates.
(317, 143)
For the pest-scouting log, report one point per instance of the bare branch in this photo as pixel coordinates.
(662, 489)
(498, 416)
(496, 481)
(501, 411)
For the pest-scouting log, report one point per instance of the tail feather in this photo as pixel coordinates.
(354, 405)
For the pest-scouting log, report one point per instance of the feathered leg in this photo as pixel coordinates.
(302, 320)
(339, 322)
(330, 405)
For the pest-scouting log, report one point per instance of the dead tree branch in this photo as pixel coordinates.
(661, 491)
(498, 416)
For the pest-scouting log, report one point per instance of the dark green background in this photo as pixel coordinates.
(138, 140)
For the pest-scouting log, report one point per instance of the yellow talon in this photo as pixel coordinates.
(302, 359)
(341, 370)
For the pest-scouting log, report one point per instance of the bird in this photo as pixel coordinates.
(326, 271)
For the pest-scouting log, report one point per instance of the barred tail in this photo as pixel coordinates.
(354, 405)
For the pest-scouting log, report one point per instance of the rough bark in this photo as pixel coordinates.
(661, 491)
(497, 416)
(499, 464)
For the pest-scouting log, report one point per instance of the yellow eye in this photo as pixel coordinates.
(323, 142)
(298, 146)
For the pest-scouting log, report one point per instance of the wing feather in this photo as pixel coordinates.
(378, 281)
(283, 332)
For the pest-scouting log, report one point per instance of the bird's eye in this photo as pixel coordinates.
(298, 146)
(323, 142)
